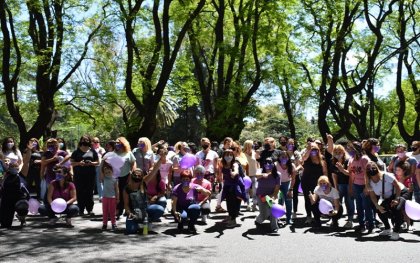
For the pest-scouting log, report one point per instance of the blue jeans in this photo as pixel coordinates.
(363, 205)
(349, 200)
(99, 186)
(192, 212)
(156, 210)
(284, 188)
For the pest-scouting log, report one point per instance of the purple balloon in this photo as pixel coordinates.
(412, 209)
(33, 206)
(187, 161)
(247, 182)
(325, 206)
(300, 188)
(278, 210)
(58, 205)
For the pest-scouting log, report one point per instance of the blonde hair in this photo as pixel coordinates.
(248, 145)
(324, 179)
(124, 142)
(147, 143)
(340, 148)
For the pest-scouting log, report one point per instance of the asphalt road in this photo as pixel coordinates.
(86, 242)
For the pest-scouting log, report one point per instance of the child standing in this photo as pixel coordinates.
(110, 196)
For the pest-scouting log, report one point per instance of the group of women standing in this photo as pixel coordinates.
(146, 175)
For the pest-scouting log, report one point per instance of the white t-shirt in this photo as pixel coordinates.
(331, 196)
(388, 187)
(417, 156)
(164, 170)
(14, 157)
(207, 160)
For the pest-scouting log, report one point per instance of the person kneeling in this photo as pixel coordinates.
(324, 191)
(185, 201)
(61, 187)
(393, 193)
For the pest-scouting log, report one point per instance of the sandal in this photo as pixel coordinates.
(220, 209)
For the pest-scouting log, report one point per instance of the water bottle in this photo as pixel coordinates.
(145, 226)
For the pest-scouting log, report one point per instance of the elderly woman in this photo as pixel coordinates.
(61, 187)
(324, 190)
(185, 204)
(84, 161)
(136, 201)
(385, 185)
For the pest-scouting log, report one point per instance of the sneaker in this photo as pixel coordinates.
(348, 225)
(395, 236)
(180, 226)
(248, 208)
(68, 222)
(91, 213)
(104, 227)
(220, 209)
(334, 225)
(204, 219)
(114, 227)
(192, 229)
(386, 232)
(53, 221)
(308, 220)
(366, 230)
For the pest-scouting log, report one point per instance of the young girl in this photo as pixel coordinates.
(110, 196)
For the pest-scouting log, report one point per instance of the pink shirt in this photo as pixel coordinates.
(151, 187)
(62, 193)
(358, 169)
(205, 184)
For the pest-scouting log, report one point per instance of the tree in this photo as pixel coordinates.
(49, 26)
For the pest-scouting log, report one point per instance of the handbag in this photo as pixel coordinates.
(131, 226)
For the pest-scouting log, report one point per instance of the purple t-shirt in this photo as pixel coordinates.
(185, 199)
(266, 186)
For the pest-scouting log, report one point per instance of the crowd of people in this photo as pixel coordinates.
(137, 182)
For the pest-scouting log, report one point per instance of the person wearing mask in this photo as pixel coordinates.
(227, 144)
(371, 147)
(13, 194)
(357, 171)
(286, 170)
(283, 142)
(402, 156)
(384, 185)
(296, 158)
(185, 204)
(31, 169)
(144, 154)
(324, 190)
(13, 154)
(269, 152)
(202, 199)
(415, 147)
(233, 186)
(61, 187)
(84, 161)
(181, 149)
(209, 160)
(313, 167)
(268, 185)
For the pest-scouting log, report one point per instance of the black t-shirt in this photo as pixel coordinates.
(78, 156)
(341, 178)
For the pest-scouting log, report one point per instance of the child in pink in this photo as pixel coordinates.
(110, 196)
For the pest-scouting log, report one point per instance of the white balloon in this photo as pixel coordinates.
(325, 206)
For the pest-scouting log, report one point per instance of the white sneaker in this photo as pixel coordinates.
(348, 225)
(204, 218)
(386, 232)
(395, 236)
